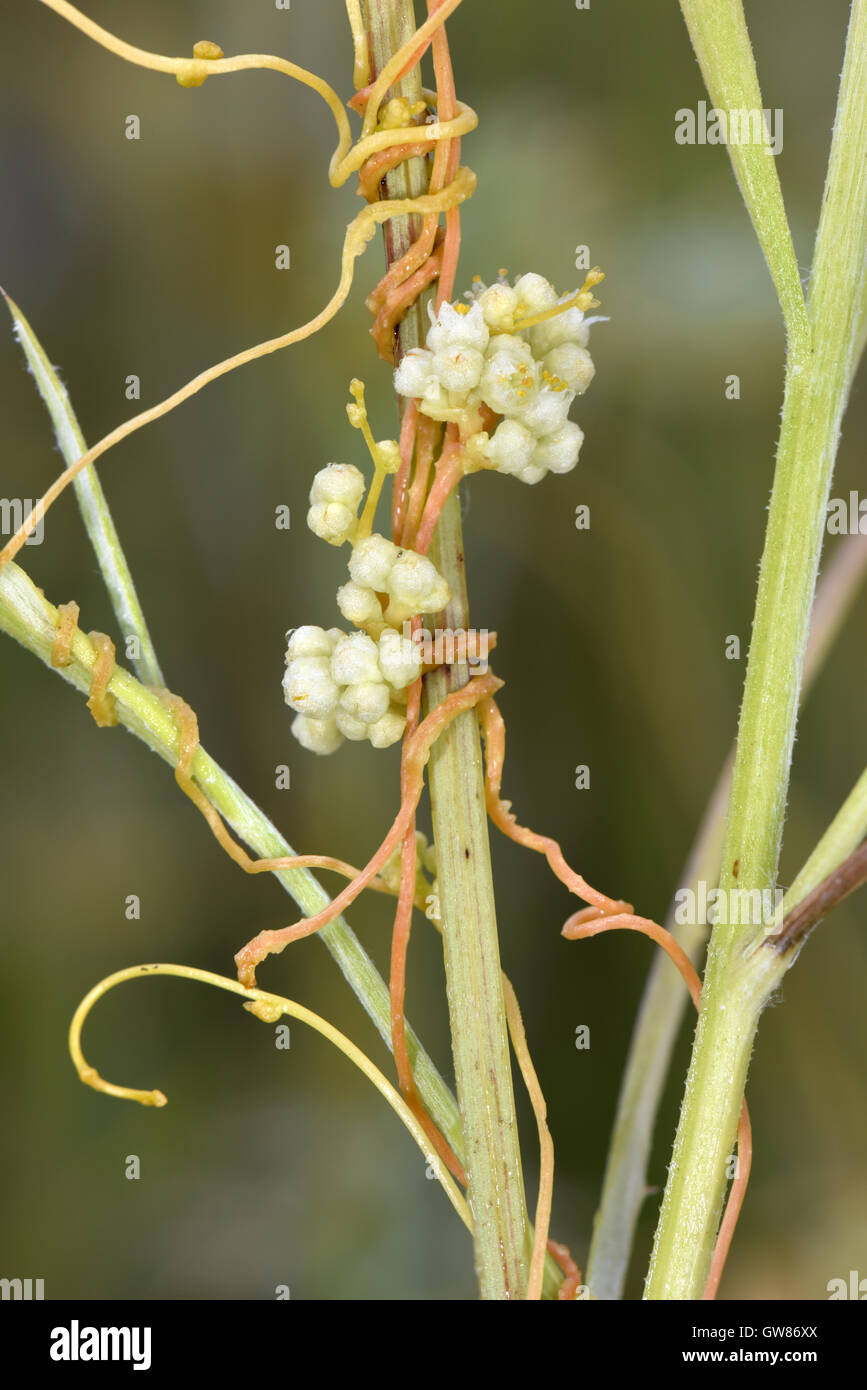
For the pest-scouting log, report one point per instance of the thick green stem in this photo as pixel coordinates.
(473, 974)
(472, 960)
(665, 1000)
(737, 983)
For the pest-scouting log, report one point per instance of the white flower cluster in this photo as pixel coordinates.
(411, 581)
(334, 500)
(479, 354)
(345, 685)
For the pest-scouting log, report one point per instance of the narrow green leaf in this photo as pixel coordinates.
(93, 504)
(719, 35)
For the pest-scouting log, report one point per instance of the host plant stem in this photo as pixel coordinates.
(480, 1045)
(738, 981)
(665, 999)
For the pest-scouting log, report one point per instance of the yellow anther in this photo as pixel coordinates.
(461, 308)
(555, 382)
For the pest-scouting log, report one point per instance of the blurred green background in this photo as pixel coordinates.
(156, 257)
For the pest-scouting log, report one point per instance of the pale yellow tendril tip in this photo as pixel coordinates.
(385, 454)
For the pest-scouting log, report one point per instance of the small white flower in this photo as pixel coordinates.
(498, 304)
(458, 368)
(545, 411)
(372, 561)
(457, 327)
(367, 701)
(414, 374)
(558, 452)
(331, 522)
(516, 347)
(317, 735)
(350, 727)
(309, 688)
(572, 364)
(334, 498)
(506, 383)
(511, 447)
(310, 641)
(438, 403)
(399, 659)
(339, 482)
(354, 660)
(389, 729)
(416, 585)
(358, 604)
(567, 327)
(535, 295)
(533, 473)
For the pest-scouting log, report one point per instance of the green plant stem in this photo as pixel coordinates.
(737, 985)
(665, 1000)
(92, 503)
(844, 834)
(492, 1159)
(473, 971)
(719, 35)
(28, 617)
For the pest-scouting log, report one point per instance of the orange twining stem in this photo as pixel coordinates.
(580, 926)
(572, 1280)
(402, 298)
(494, 734)
(399, 950)
(99, 702)
(403, 914)
(446, 109)
(413, 272)
(418, 748)
(375, 168)
(406, 265)
(188, 731)
(451, 466)
(414, 49)
(400, 490)
(427, 439)
(67, 625)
